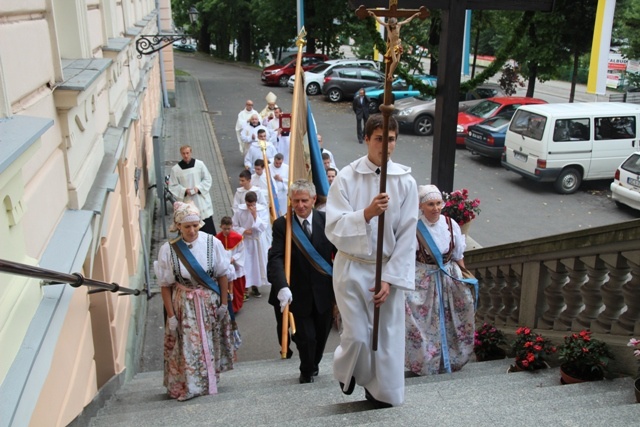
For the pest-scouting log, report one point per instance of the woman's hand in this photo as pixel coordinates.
(173, 323)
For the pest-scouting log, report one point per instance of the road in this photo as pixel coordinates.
(513, 208)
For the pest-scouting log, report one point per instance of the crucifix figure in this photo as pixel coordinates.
(394, 43)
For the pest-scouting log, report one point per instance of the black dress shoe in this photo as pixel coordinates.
(304, 379)
(352, 386)
(378, 404)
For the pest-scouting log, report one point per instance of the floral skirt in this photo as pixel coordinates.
(439, 321)
(201, 347)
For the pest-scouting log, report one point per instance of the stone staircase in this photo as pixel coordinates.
(267, 393)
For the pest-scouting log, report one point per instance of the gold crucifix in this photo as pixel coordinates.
(394, 43)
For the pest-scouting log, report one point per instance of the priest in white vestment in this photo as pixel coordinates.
(190, 182)
(243, 119)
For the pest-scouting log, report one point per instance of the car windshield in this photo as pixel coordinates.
(632, 164)
(497, 121)
(320, 68)
(484, 109)
(284, 60)
(424, 97)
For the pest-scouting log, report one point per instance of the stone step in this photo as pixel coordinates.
(266, 404)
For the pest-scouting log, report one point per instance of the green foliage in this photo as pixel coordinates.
(630, 27)
(585, 357)
(531, 349)
(487, 341)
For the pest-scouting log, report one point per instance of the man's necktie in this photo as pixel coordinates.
(307, 228)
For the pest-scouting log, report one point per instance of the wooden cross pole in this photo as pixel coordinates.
(392, 57)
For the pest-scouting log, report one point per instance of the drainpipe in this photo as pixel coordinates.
(163, 79)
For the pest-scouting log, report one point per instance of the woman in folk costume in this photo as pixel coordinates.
(440, 312)
(198, 342)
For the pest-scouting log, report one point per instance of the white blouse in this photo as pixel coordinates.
(163, 267)
(441, 235)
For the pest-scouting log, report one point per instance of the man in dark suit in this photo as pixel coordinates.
(310, 294)
(361, 108)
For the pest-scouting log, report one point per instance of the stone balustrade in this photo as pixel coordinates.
(588, 279)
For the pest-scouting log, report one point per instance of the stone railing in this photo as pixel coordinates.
(589, 279)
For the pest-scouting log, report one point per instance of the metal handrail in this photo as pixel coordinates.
(55, 277)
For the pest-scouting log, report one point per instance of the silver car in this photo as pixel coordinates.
(314, 78)
(417, 113)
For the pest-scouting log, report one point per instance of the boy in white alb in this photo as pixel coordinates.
(251, 220)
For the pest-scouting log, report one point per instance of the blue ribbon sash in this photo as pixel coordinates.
(312, 255)
(424, 233)
(194, 265)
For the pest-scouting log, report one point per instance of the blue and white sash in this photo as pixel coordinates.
(304, 244)
(437, 255)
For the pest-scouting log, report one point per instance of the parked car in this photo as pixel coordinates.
(400, 89)
(417, 113)
(568, 143)
(625, 188)
(342, 83)
(279, 73)
(487, 137)
(189, 46)
(489, 108)
(314, 78)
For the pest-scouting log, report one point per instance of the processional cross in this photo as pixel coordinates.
(391, 59)
(449, 65)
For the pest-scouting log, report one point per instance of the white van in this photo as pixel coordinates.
(568, 143)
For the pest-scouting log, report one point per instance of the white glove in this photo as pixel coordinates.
(173, 323)
(285, 297)
(221, 311)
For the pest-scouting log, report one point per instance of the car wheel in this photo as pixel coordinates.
(568, 181)
(374, 106)
(282, 81)
(313, 89)
(423, 126)
(335, 95)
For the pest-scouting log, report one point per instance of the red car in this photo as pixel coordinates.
(279, 73)
(488, 108)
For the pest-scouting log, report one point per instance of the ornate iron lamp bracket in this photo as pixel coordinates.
(148, 44)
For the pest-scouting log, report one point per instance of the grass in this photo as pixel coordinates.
(181, 73)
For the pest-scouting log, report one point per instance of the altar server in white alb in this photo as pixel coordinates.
(251, 220)
(190, 182)
(354, 205)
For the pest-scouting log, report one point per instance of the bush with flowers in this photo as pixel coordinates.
(487, 342)
(584, 357)
(530, 350)
(459, 208)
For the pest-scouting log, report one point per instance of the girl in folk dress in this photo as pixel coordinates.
(440, 312)
(198, 342)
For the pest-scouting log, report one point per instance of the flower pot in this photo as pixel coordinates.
(497, 355)
(569, 378)
(464, 228)
(637, 388)
(517, 368)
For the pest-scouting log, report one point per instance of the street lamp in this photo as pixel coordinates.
(147, 44)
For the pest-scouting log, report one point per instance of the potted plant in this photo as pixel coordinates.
(487, 342)
(636, 352)
(459, 207)
(585, 358)
(530, 350)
